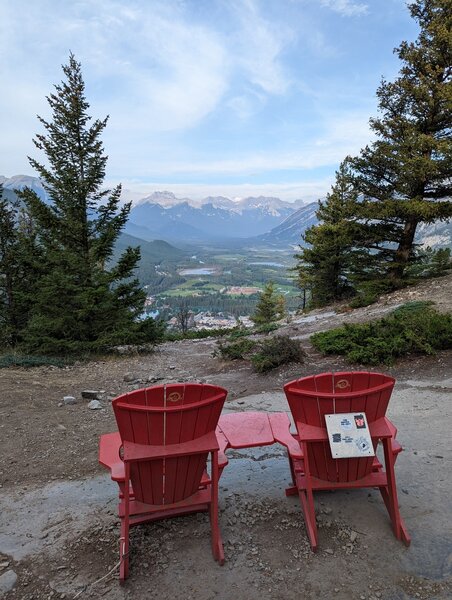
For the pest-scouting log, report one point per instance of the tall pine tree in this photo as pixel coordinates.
(82, 303)
(323, 264)
(404, 177)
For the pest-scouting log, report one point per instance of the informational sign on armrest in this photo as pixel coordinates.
(349, 436)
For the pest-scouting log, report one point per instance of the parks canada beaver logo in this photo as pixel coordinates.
(174, 397)
(342, 384)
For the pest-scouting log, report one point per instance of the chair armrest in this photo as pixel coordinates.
(396, 447)
(223, 444)
(311, 433)
(381, 428)
(138, 452)
(109, 445)
(280, 424)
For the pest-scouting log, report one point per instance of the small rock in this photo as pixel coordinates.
(172, 367)
(4, 565)
(353, 536)
(90, 394)
(69, 400)
(329, 551)
(94, 405)
(61, 427)
(7, 581)
(128, 377)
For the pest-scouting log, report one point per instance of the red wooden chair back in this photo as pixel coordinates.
(161, 416)
(311, 398)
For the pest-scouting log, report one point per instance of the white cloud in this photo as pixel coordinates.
(348, 8)
(340, 135)
(150, 63)
(259, 45)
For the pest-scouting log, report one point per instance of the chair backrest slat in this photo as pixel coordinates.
(311, 398)
(162, 416)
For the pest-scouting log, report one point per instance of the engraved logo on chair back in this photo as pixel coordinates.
(311, 398)
(162, 416)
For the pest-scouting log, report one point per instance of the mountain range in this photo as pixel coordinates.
(213, 219)
(266, 221)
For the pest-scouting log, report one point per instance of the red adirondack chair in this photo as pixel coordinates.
(310, 399)
(167, 434)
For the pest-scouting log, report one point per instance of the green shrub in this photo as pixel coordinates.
(276, 351)
(196, 334)
(415, 328)
(369, 292)
(236, 350)
(264, 355)
(27, 361)
(265, 328)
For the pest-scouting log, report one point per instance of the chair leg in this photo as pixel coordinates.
(404, 535)
(307, 505)
(125, 526)
(124, 551)
(389, 494)
(307, 502)
(217, 543)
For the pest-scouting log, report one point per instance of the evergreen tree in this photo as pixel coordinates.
(270, 307)
(81, 303)
(404, 177)
(8, 271)
(323, 266)
(19, 259)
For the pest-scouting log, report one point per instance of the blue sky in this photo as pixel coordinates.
(205, 97)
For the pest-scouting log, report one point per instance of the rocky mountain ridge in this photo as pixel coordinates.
(262, 220)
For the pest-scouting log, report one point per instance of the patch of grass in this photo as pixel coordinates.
(27, 361)
(264, 355)
(415, 328)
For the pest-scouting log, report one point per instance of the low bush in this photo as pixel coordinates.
(415, 328)
(276, 351)
(26, 361)
(264, 355)
(369, 292)
(236, 350)
(196, 334)
(240, 332)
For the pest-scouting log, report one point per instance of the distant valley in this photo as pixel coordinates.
(216, 254)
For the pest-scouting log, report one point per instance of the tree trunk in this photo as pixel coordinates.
(403, 252)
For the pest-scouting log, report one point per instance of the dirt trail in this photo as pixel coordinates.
(58, 529)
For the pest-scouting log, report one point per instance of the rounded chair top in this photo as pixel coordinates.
(170, 396)
(347, 383)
